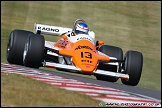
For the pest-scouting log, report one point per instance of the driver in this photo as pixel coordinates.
(81, 28)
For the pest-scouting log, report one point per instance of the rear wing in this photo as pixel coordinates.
(54, 30)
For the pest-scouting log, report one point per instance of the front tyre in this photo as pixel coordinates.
(34, 51)
(133, 67)
(112, 51)
(15, 46)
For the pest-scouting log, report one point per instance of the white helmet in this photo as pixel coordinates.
(81, 27)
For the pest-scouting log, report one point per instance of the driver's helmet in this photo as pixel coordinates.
(81, 28)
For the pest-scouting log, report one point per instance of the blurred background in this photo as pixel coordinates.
(130, 25)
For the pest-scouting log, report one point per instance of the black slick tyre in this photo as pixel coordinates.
(15, 46)
(133, 67)
(34, 51)
(112, 51)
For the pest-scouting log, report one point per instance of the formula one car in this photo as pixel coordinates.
(73, 53)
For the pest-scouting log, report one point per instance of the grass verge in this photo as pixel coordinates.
(21, 91)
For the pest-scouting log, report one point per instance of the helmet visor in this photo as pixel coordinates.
(79, 32)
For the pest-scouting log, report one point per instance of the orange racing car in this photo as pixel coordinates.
(76, 51)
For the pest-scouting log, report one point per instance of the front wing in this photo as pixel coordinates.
(76, 70)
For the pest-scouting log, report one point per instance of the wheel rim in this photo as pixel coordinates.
(125, 65)
(8, 47)
(25, 51)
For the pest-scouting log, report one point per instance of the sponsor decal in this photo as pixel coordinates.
(62, 43)
(84, 38)
(48, 29)
(86, 47)
(89, 61)
(87, 66)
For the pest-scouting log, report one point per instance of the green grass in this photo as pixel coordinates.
(131, 25)
(26, 92)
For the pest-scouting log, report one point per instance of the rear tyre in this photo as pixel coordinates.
(113, 52)
(133, 67)
(15, 46)
(34, 51)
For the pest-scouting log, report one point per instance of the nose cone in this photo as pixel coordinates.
(84, 57)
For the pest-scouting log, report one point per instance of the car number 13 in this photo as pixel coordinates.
(86, 55)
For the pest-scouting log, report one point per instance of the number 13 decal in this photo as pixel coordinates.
(86, 55)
